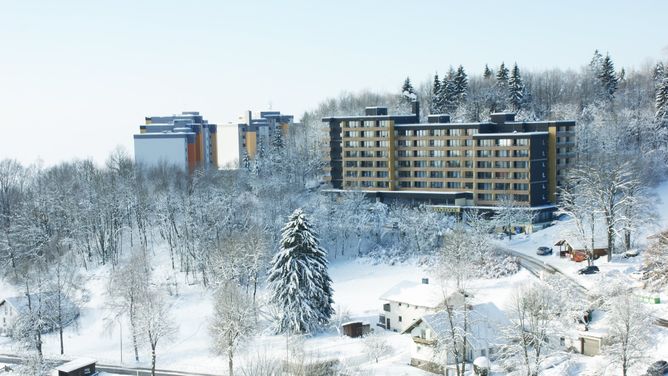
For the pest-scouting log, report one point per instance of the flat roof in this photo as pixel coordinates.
(76, 364)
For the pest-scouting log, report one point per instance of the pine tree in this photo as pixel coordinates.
(662, 101)
(516, 89)
(487, 74)
(608, 78)
(502, 75)
(461, 83)
(298, 281)
(448, 97)
(436, 96)
(407, 87)
(277, 140)
(659, 73)
(245, 162)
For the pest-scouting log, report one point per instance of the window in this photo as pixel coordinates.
(399, 318)
(386, 307)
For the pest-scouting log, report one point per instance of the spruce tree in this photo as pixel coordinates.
(407, 87)
(608, 78)
(662, 101)
(298, 281)
(502, 75)
(436, 96)
(245, 162)
(461, 83)
(487, 74)
(516, 89)
(448, 98)
(659, 73)
(277, 140)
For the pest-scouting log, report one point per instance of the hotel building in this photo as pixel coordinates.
(453, 166)
(187, 141)
(257, 132)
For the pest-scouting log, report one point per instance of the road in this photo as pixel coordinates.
(538, 268)
(138, 371)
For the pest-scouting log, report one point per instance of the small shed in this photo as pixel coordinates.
(78, 367)
(356, 329)
(591, 343)
(577, 250)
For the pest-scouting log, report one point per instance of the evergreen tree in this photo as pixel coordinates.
(298, 281)
(487, 74)
(407, 87)
(448, 96)
(277, 140)
(608, 78)
(436, 96)
(502, 75)
(596, 63)
(245, 162)
(461, 83)
(662, 101)
(659, 73)
(516, 89)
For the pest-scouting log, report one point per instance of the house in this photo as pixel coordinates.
(483, 339)
(576, 249)
(408, 301)
(77, 367)
(12, 308)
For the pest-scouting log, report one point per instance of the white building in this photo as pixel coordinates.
(409, 301)
(485, 321)
(163, 148)
(13, 308)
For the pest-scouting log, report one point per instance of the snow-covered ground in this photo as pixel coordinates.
(357, 284)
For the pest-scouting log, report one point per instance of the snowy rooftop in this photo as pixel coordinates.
(415, 293)
(76, 364)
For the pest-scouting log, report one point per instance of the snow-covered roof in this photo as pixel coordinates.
(415, 293)
(576, 242)
(48, 299)
(76, 364)
(486, 321)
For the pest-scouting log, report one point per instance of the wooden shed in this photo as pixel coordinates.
(78, 367)
(577, 251)
(356, 329)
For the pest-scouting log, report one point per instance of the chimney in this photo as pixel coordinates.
(425, 281)
(415, 106)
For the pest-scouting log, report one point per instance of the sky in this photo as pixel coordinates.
(77, 78)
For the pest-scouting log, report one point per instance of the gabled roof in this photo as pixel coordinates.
(486, 321)
(415, 293)
(47, 299)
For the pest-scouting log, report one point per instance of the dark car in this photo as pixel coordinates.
(543, 251)
(591, 269)
(658, 368)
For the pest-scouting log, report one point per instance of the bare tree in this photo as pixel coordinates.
(155, 322)
(376, 346)
(233, 322)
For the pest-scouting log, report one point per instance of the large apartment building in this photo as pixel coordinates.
(186, 141)
(453, 165)
(257, 132)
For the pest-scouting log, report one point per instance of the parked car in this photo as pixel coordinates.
(543, 251)
(658, 368)
(591, 269)
(631, 253)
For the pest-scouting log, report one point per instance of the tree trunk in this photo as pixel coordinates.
(230, 363)
(153, 360)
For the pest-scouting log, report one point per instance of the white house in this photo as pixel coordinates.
(13, 308)
(483, 337)
(409, 301)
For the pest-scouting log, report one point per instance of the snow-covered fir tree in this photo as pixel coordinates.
(461, 85)
(662, 101)
(516, 89)
(487, 73)
(436, 96)
(245, 161)
(407, 87)
(299, 284)
(659, 73)
(502, 75)
(608, 79)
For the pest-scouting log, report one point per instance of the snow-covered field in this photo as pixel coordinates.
(357, 284)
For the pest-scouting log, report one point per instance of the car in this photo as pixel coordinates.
(631, 253)
(591, 269)
(658, 368)
(542, 251)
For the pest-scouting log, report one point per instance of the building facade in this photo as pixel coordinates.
(452, 165)
(257, 133)
(187, 141)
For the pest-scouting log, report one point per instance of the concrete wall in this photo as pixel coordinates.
(151, 152)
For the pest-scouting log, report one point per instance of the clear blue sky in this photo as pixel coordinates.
(78, 77)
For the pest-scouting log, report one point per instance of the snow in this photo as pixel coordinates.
(76, 364)
(415, 293)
